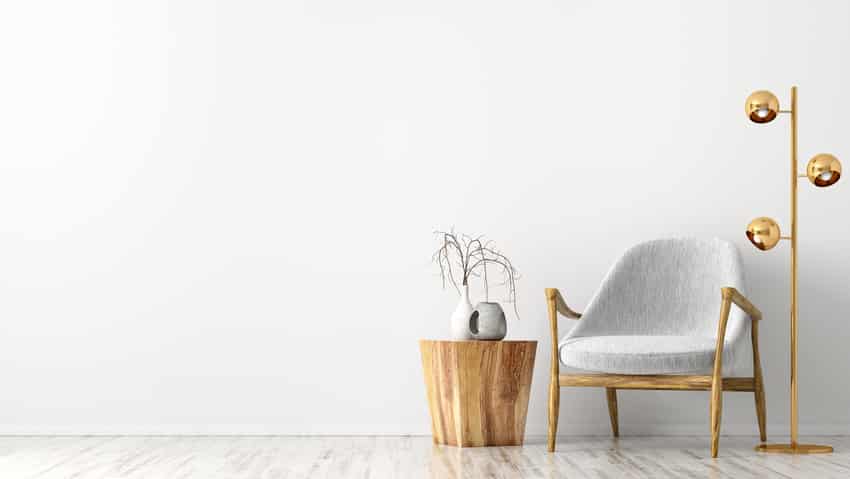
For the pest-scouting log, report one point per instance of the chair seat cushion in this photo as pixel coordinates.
(639, 354)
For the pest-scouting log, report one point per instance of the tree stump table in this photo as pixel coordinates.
(478, 390)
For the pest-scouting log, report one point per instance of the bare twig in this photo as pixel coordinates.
(469, 254)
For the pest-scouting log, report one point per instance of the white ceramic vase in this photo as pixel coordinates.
(488, 322)
(460, 318)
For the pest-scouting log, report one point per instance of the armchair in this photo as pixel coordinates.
(653, 324)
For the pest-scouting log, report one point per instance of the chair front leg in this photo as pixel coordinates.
(555, 304)
(717, 377)
(554, 409)
(554, 385)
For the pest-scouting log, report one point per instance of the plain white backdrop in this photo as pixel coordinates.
(216, 217)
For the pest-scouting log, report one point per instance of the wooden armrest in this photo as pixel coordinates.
(556, 304)
(554, 296)
(736, 297)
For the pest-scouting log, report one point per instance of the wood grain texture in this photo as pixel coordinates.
(408, 457)
(758, 384)
(555, 304)
(611, 396)
(478, 391)
(742, 302)
(716, 407)
(554, 296)
(658, 382)
(554, 388)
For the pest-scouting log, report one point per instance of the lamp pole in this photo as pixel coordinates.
(822, 170)
(794, 179)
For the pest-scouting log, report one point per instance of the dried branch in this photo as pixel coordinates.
(471, 254)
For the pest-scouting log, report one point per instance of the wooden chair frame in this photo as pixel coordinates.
(611, 382)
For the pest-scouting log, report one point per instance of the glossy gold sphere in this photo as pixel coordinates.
(762, 106)
(823, 170)
(763, 233)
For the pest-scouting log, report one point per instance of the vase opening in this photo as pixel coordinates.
(473, 322)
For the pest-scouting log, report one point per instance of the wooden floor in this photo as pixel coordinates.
(401, 457)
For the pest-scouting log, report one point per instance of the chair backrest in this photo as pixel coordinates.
(667, 287)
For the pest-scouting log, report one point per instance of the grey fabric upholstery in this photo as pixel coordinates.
(657, 312)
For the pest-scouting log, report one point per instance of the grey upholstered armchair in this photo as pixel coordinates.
(662, 319)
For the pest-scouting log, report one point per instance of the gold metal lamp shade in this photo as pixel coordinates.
(763, 233)
(823, 170)
(762, 106)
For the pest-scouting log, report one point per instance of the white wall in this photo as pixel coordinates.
(217, 217)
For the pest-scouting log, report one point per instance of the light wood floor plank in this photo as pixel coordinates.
(273, 457)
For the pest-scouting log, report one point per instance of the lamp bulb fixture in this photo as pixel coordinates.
(823, 170)
(762, 106)
(763, 233)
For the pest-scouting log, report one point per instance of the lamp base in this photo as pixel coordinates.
(794, 448)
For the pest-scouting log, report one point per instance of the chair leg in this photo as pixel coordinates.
(761, 411)
(554, 409)
(716, 409)
(758, 382)
(611, 394)
(717, 376)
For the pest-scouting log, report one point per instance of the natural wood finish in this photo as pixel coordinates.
(553, 295)
(658, 382)
(478, 390)
(758, 384)
(717, 377)
(401, 457)
(555, 304)
(554, 390)
(736, 297)
(611, 396)
(715, 382)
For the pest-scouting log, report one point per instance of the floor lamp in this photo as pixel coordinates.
(822, 170)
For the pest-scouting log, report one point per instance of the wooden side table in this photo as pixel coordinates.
(478, 390)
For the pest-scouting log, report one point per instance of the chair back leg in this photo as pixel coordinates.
(758, 384)
(716, 409)
(717, 377)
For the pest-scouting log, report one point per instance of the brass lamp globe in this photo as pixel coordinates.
(823, 170)
(762, 106)
(763, 233)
